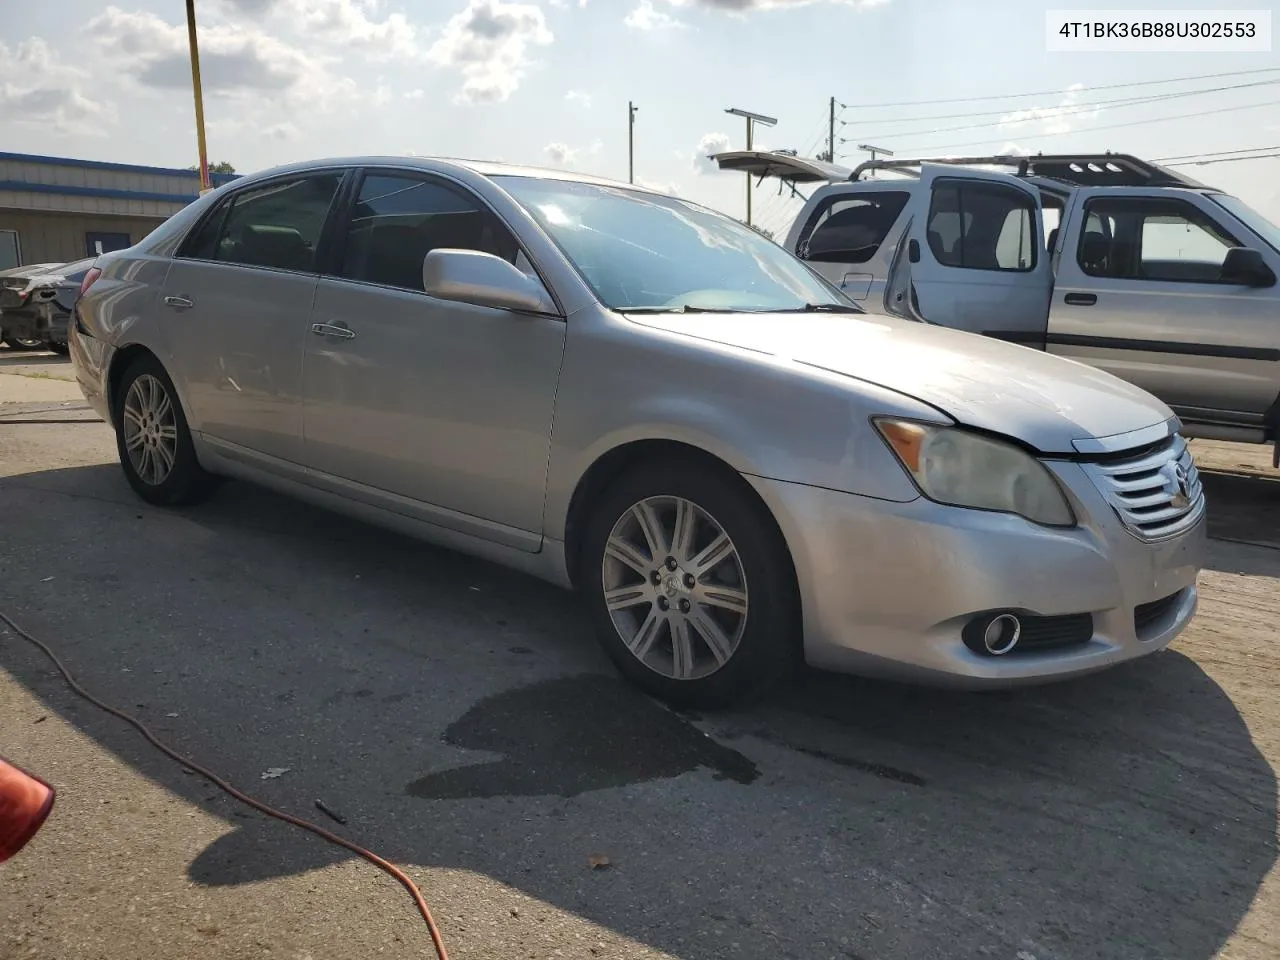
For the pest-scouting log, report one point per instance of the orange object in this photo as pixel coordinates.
(25, 802)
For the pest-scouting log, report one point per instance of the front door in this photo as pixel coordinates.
(1140, 294)
(437, 409)
(236, 303)
(975, 254)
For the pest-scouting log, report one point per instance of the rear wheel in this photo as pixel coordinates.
(153, 439)
(690, 585)
(24, 343)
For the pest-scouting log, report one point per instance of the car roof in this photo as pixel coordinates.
(484, 168)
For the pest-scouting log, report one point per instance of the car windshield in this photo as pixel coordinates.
(648, 252)
(1251, 218)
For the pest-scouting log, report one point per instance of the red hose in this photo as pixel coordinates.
(247, 800)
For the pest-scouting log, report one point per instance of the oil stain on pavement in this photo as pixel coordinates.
(567, 736)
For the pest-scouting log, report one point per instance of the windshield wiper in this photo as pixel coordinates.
(824, 308)
(683, 308)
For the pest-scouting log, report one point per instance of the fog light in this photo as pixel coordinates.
(1001, 634)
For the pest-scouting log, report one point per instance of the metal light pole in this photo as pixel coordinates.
(873, 150)
(632, 109)
(752, 120)
(205, 182)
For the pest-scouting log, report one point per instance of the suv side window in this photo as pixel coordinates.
(1153, 238)
(979, 225)
(276, 225)
(850, 229)
(398, 218)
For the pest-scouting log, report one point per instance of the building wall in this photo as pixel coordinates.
(47, 237)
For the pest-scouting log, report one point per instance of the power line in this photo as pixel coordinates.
(1201, 163)
(1066, 110)
(1218, 153)
(1050, 93)
(1112, 126)
(1120, 101)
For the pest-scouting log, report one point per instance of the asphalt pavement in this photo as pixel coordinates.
(462, 722)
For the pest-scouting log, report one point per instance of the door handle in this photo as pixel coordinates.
(178, 303)
(333, 330)
(1081, 299)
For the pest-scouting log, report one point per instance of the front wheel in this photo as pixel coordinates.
(690, 585)
(153, 439)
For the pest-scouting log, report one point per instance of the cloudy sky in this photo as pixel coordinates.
(548, 81)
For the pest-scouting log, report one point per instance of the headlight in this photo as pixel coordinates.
(966, 469)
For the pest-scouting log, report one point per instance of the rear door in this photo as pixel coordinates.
(236, 306)
(975, 255)
(1140, 294)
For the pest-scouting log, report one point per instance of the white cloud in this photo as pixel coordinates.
(235, 60)
(489, 41)
(596, 146)
(1056, 119)
(709, 144)
(416, 94)
(347, 23)
(648, 17)
(577, 96)
(561, 154)
(37, 87)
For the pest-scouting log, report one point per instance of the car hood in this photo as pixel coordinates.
(1048, 402)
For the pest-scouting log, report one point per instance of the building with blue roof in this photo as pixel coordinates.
(58, 209)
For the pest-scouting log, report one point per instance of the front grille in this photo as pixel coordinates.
(1052, 633)
(1156, 494)
(1147, 615)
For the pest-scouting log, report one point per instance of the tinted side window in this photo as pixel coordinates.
(277, 225)
(850, 229)
(1159, 239)
(982, 226)
(202, 242)
(398, 219)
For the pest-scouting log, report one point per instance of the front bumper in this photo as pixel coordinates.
(887, 587)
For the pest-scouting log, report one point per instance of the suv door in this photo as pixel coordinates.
(238, 294)
(433, 408)
(975, 255)
(849, 232)
(1140, 294)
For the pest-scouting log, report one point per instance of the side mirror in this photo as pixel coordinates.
(1245, 266)
(469, 276)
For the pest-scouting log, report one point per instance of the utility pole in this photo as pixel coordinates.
(831, 132)
(631, 141)
(205, 182)
(752, 120)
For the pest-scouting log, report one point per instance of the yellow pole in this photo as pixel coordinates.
(205, 182)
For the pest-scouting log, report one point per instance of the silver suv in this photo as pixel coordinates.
(637, 397)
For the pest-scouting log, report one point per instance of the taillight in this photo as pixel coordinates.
(92, 274)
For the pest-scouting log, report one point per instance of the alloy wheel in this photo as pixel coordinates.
(150, 429)
(675, 588)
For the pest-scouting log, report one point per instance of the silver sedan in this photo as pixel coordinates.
(636, 397)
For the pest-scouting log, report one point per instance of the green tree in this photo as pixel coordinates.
(222, 166)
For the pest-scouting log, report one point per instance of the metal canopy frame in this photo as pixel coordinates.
(1077, 170)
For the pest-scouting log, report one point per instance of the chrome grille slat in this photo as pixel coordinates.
(1144, 491)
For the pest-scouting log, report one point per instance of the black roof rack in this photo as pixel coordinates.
(1080, 170)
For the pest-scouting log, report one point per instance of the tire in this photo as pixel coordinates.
(154, 411)
(61, 349)
(748, 592)
(22, 343)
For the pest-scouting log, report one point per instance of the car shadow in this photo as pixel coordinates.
(30, 358)
(460, 715)
(1243, 508)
